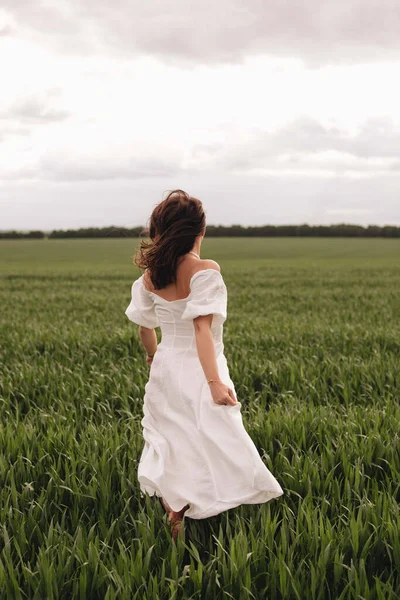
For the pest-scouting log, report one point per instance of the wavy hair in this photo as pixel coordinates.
(174, 225)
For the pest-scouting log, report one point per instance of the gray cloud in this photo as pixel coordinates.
(18, 174)
(7, 132)
(188, 33)
(6, 30)
(299, 143)
(59, 168)
(303, 146)
(33, 110)
(57, 19)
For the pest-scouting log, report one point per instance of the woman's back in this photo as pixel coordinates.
(187, 267)
(207, 295)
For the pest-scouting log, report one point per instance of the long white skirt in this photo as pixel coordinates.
(197, 452)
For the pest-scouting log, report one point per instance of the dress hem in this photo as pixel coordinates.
(225, 505)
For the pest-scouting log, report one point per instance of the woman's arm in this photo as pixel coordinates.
(221, 393)
(149, 341)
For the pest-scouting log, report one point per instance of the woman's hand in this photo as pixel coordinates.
(222, 394)
(149, 359)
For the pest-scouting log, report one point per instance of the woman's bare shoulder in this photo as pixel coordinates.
(207, 263)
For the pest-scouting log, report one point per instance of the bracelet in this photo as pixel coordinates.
(216, 380)
(150, 355)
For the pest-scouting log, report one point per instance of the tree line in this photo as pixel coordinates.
(337, 230)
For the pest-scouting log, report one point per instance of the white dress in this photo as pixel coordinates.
(195, 452)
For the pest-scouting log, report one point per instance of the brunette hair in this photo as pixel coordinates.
(174, 225)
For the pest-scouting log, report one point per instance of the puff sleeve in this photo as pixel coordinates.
(208, 295)
(141, 309)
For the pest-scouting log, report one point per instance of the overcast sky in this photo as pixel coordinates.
(269, 112)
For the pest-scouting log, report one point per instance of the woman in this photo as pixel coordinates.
(197, 457)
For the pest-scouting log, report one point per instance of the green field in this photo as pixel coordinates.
(312, 340)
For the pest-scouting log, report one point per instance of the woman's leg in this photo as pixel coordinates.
(176, 519)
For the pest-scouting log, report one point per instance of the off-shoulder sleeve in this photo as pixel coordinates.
(141, 309)
(208, 295)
